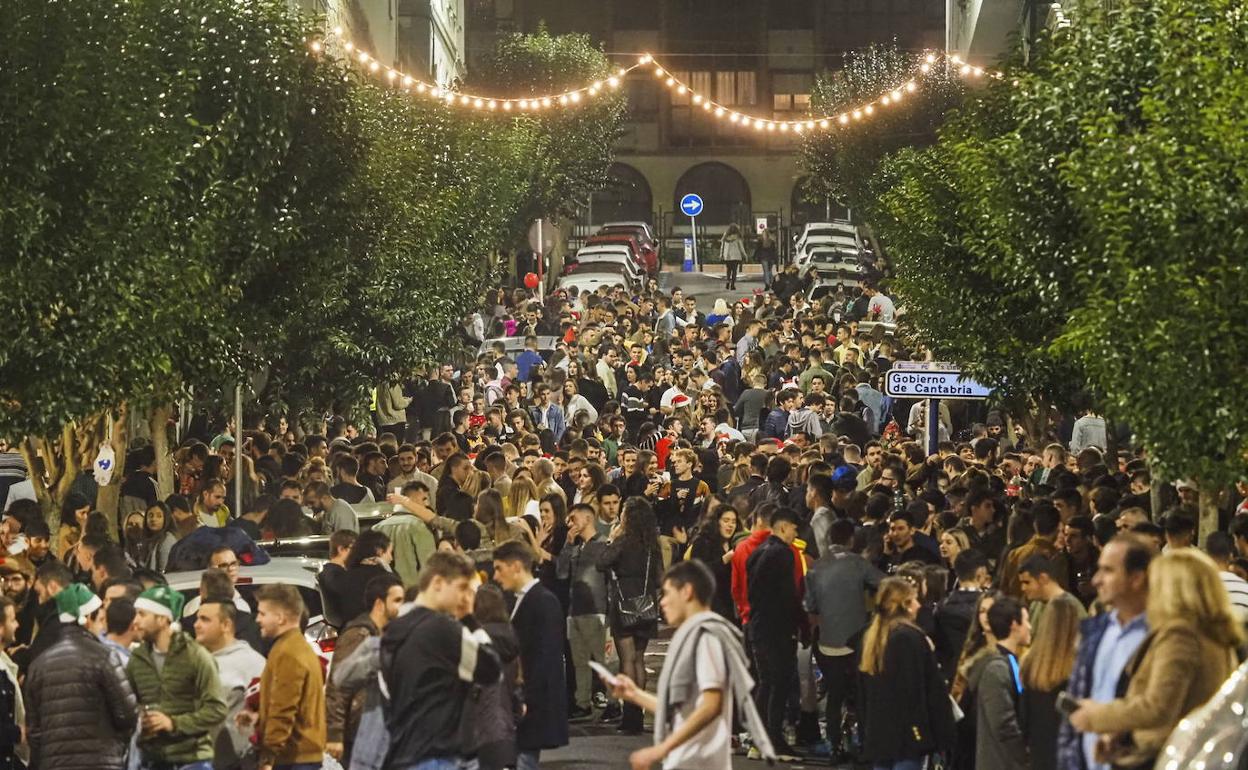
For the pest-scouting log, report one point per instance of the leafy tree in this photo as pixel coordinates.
(567, 152)
(843, 162)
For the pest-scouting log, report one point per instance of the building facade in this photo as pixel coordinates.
(422, 37)
(760, 57)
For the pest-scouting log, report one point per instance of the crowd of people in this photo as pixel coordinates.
(506, 538)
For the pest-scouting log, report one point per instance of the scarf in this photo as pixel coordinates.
(678, 680)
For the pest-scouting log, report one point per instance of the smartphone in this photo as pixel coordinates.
(603, 672)
(1066, 705)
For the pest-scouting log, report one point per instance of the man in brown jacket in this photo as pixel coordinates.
(291, 724)
(1043, 543)
(344, 706)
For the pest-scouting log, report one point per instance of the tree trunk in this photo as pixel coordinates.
(107, 499)
(1035, 421)
(56, 462)
(158, 426)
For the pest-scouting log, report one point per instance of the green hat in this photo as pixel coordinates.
(76, 602)
(161, 600)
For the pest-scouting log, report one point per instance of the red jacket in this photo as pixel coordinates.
(740, 592)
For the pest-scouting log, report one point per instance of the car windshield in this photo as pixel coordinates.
(834, 256)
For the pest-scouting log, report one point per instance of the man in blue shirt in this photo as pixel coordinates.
(527, 359)
(1107, 641)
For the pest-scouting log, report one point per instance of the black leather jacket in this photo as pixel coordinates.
(80, 710)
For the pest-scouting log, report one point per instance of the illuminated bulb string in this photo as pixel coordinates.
(577, 96)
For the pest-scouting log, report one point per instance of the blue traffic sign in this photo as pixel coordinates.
(691, 204)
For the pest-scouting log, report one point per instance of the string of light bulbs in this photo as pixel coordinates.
(577, 96)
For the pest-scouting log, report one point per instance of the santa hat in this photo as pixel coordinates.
(75, 603)
(680, 400)
(161, 600)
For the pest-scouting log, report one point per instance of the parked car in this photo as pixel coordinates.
(839, 263)
(591, 276)
(644, 252)
(617, 255)
(297, 571)
(837, 227)
(642, 229)
(815, 243)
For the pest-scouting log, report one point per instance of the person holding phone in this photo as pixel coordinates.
(705, 677)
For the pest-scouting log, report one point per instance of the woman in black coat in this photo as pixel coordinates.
(712, 545)
(634, 566)
(370, 557)
(903, 706)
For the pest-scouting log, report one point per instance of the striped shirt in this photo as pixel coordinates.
(1237, 589)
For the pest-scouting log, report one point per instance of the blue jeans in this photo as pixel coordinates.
(528, 760)
(901, 764)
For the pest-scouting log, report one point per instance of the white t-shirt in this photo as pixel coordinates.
(711, 747)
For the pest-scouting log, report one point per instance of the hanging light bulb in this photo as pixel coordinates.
(506, 106)
(885, 100)
(524, 104)
(563, 99)
(391, 75)
(857, 114)
(734, 117)
(930, 58)
(546, 102)
(348, 46)
(911, 87)
(868, 109)
(784, 127)
(719, 113)
(337, 31)
(706, 106)
(613, 81)
(316, 46)
(896, 95)
(843, 119)
(575, 97)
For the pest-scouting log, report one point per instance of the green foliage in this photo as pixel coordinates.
(567, 152)
(1086, 228)
(187, 197)
(843, 162)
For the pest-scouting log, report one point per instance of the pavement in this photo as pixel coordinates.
(709, 286)
(594, 746)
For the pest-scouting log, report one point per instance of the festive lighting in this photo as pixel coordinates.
(588, 92)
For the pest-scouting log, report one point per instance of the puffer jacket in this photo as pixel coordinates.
(80, 710)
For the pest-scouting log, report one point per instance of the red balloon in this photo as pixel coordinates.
(530, 280)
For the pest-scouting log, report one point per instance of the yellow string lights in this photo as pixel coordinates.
(577, 96)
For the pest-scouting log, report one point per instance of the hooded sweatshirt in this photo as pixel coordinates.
(237, 664)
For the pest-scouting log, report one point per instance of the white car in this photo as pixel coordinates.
(824, 242)
(835, 263)
(589, 277)
(613, 255)
(297, 571)
(826, 229)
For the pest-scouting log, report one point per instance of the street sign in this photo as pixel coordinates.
(691, 204)
(910, 383)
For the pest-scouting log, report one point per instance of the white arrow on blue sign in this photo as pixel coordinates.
(691, 204)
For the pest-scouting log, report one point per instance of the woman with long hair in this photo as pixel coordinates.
(979, 642)
(953, 542)
(732, 254)
(904, 709)
(1187, 655)
(521, 498)
(634, 565)
(74, 513)
(370, 557)
(712, 545)
(495, 528)
(1044, 671)
(158, 537)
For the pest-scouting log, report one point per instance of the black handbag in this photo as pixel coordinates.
(636, 611)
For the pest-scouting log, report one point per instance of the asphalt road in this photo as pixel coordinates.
(593, 746)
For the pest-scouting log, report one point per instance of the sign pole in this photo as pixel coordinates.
(541, 248)
(693, 232)
(933, 425)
